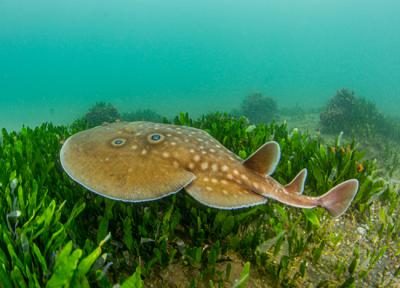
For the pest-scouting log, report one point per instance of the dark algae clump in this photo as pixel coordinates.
(143, 115)
(259, 108)
(101, 112)
(54, 233)
(356, 116)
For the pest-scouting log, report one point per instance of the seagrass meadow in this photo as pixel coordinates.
(54, 233)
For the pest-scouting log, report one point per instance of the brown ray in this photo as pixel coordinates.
(141, 161)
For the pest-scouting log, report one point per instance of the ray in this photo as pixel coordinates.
(143, 161)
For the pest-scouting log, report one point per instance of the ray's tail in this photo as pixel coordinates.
(339, 198)
(335, 201)
(264, 161)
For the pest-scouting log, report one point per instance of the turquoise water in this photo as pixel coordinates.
(57, 58)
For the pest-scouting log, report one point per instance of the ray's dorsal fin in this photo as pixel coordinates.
(297, 184)
(265, 159)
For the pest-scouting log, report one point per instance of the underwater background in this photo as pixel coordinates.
(57, 58)
(320, 78)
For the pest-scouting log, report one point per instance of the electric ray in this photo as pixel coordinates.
(142, 161)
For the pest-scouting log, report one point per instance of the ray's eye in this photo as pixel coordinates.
(155, 138)
(118, 142)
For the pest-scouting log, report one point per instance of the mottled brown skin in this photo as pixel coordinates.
(122, 161)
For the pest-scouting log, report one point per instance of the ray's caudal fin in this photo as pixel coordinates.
(338, 199)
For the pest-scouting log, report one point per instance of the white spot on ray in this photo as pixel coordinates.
(209, 188)
(224, 191)
(196, 158)
(134, 147)
(204, 165)
(214, 180)
(224, 168)
(144, 152)
(214, 167)
(165, 154)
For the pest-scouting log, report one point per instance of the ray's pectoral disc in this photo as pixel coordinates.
(123, 161)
